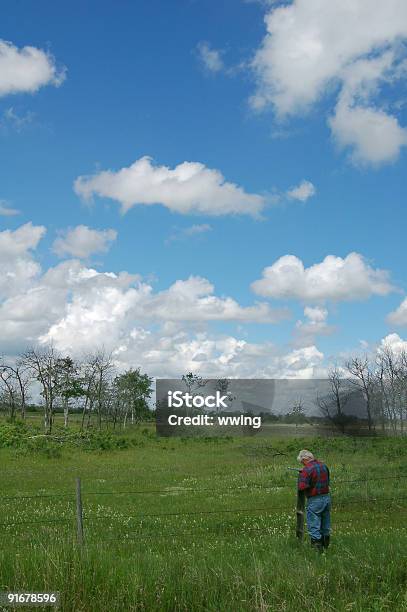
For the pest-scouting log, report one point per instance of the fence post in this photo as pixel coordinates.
(79, 512)
(300, 514)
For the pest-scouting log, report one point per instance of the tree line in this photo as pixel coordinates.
(90, 386)
(373, 388)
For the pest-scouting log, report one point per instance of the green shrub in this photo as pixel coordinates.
(13, 434)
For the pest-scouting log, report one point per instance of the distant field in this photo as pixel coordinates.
(198, 524)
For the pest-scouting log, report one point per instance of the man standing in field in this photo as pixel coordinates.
(313, 479)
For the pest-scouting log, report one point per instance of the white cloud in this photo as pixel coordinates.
(335, 278)
(306, 332)
(17, 243)
(79, 308)
(301, 363)
(210, 58)
(189, 188)
(104, 308)
(394, 342)
(6, 210)
(215, 356)
(193, 300)
(165, 332)
(373, 136)
(302, 192)
(399, 316)
(313, 48)
(81, 241)
(26, 69)
(18, 269)
(315, 314)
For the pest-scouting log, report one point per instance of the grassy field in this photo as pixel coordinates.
(192, 524)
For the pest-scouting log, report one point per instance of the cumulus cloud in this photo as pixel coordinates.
(82, 241)
(373, 135)
(19, 242)
(78, 309)
(210, 58)
(302, 192)
(306, 332)
(313, 48)
(301, 363)
(189, 188)
(166, 332)
(399, 316)
(169, 352)
(315, 314)
(193, 300)
(26, 69)
(104, 307)
(217, 356)
(335, 278)
(393, 342)
(18, 269)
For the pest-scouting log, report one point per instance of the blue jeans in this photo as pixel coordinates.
(318, 516)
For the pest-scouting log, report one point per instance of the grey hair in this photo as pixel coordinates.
(305, 454)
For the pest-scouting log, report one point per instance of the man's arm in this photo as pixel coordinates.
(303, 480)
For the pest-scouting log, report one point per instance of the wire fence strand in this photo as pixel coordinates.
(196, 490)
(259, 511)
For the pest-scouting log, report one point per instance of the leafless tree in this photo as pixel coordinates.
(298, 412)
(363, 378)
(9, 394)
(332, 405)
(402, 376)
(103, 366)
(392, 380)
(15, 381)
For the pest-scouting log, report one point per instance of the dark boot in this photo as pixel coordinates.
(325, 541)
(317, 544)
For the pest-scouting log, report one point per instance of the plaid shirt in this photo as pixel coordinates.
(314, 479)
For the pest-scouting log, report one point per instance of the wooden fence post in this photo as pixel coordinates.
(300, 514)
(79, 512)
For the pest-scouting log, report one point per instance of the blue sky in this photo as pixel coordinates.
(184, 82)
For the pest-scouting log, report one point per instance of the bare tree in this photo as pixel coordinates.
(363, 378)
(103, 365)
(9, 394)
(402, 376)
(15, 381)
(88, 375)
(332, 405)
(297, 412)
(392, 381)
(386, 376)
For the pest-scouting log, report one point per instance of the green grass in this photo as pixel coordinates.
(244, 558)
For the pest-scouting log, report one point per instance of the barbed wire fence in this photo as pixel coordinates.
(84, 521)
